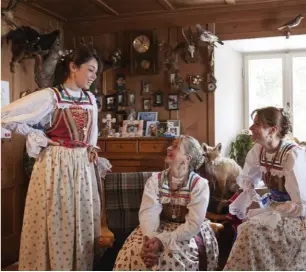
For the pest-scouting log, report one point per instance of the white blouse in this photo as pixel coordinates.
(150, 210)
(38, 108)
(294, 171)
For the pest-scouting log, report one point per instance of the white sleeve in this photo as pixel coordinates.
(30, 110)
(295, 184)
(249, 178)
(150, 208)
(94, 133)
(197, 208)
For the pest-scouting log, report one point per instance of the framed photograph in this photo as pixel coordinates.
(121, 99)
(132, 128)
(147, 116)
(158, 99)
(131, 98)
(146, 87)
(120, 83)
(162, 129)
(110, 102)
(173, 102)
(174, 131)
(173, 123)
(147, 104)
(151, 129)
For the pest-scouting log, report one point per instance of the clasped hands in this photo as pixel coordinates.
(151, 250)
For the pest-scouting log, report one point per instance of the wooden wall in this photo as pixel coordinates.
(13, 179)
(196, 117)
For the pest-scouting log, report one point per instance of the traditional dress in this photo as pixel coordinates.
(62, 211)
(174, 217)
(274, 236)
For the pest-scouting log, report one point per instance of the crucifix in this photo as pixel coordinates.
(108, 121)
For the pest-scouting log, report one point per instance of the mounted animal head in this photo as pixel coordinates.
(190, 46)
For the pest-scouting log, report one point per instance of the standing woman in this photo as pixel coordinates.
(274, 236)
(62, 212)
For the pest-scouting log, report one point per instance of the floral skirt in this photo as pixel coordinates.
(262, 248)
(62, 212)
(186, 259)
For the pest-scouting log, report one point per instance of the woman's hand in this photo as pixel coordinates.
(151, 251)
(92, 156)
(51, 142)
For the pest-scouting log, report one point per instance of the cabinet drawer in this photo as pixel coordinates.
(121, 146)
(153, 147)
(101, 144)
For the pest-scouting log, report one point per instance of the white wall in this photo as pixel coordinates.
(228, 95)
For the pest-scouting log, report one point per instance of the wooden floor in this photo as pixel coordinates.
(12, 267)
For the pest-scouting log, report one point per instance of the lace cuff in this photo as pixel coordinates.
(103, 166)
(35, 141)
(243, 201)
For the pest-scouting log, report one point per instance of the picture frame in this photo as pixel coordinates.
(173, 127)
(162, 129)
(110, 102)
(173, 123)
(121, 99)
(158, 99)
(147, 104)
(146, 87)
(151, 128)
(174, 131)
(173, 101)
(147, 116)
(131, 98)
(132, 128)
(120, 83)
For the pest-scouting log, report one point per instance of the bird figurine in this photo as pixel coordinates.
(187, 91)
(291, 24)
(207, 36)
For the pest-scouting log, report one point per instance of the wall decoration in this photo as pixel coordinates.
(191, 48)
(158, 99)
(146, 87)
(110, 102)
(132, 128)
(173, 101)
(120, 83)
(131, 98)
(147, 116)
(5, 100)
(121, 99)
(286, 28)
(151, 128)
(108, 121)
(147, 104)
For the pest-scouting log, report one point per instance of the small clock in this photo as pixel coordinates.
(141, 44)
(144, 52)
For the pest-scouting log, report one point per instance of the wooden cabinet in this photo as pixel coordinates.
(135, 154)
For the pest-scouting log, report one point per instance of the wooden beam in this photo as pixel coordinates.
(46, 11)
(230, 2)
(166, 4)
(106, 7)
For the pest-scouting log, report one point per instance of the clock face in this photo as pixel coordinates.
(141, 44)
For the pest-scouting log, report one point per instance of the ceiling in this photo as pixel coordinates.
(88, 10)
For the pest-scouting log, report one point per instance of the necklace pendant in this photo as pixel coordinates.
(173, 216)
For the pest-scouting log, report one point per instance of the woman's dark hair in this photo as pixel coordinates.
(78, 56)
(273, 116)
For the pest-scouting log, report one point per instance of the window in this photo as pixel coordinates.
(277, 80)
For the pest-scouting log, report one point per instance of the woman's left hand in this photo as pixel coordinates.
(92, 156)
(151, 251)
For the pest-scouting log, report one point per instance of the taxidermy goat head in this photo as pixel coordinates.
(190, 46)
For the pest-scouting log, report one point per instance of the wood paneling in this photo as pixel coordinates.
(13, 178)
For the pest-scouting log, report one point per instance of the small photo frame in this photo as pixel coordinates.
(147, 104)
(132, 128)
(174, 131)
(151, 129)
(162, 129)
(110, 101)
(146, 87)
(173, 102)
(120, 83)
(121, 99)
(173, 127)
(131, 99)
(173, 123)
(158, 99)
(147, 116)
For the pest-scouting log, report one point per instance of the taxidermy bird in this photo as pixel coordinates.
(7, 15)
(187, 91)
(207, 36)
(293, 23)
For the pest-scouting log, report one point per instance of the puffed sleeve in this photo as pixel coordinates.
(249, 178)
(30, 110)
(150, 208)
(295, 174)
(197, 208)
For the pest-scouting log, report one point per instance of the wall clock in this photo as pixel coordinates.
(144, 52)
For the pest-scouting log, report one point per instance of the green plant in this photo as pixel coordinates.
(241, 146)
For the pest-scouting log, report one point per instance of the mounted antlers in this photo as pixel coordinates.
(191, 53)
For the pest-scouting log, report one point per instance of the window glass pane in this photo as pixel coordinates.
(299, 97)
(265, 83)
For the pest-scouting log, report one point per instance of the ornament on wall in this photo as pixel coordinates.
(191, 89)
(211, 80)
(108, 121)
(191, 50)
(120, 83)
(7, 18)
(207, 36)
(286, 28)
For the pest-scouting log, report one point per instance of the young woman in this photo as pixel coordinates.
(171, 215)
(62, 212)
(273, 237)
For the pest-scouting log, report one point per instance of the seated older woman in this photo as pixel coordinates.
(171, 215)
